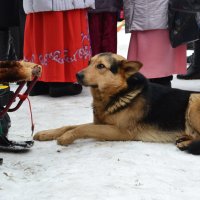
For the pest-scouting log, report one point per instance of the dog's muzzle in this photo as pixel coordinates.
(80, 77)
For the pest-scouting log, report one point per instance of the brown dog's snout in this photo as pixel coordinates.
(80, 77)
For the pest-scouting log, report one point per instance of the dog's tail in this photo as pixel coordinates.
(194, 147)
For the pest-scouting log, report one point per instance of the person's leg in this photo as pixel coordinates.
(17, 32)
(22, 21)
(4, 43)
(166, 81)
(109, 42)
(193, 71)
(57, 89)
(95, 29)
(12, 50)
(40, 88)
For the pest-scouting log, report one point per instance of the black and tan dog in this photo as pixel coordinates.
(128, 107)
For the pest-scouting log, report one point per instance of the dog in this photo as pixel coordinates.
(127, 107)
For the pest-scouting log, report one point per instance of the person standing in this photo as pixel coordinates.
(9, 17)
(57, 37)
(146, 20)
(17, 32)
(103, 25)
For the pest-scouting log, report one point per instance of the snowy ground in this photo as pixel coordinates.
(91, 170)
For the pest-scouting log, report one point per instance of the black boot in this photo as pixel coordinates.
(4, 44)
(190, 46)
(190, 58)
(64, 89)
(193, 71)
(40, 88)
(165, 81)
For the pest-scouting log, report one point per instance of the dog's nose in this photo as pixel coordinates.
(80, 77)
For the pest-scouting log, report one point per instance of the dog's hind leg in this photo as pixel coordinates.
(183, 142)
(191, 140)
(186, 143)
(52, 134)
(193, 117)
(99, 132)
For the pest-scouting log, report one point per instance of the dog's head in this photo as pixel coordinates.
(107, 70)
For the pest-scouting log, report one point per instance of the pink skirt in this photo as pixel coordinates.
(154, 50)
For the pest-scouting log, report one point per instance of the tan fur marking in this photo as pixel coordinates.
(120, 103)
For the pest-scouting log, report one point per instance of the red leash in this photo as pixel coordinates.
(23, 97)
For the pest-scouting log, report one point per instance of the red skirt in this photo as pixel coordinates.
(59, 41)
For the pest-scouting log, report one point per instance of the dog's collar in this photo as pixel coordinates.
(118, 102)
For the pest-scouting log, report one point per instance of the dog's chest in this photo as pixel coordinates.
(122, 118)
(103, 117)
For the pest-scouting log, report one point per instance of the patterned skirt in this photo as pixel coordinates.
(59, 41)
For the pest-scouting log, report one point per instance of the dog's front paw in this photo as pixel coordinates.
(44, 136)
(66, 138)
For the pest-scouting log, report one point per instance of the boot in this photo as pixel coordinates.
(193, 71)
(40, 88)
(4, 45)
(190, 46)
(64, 89)
(190, 58)
(165, 81)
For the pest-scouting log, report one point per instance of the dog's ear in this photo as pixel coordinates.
(130, 67)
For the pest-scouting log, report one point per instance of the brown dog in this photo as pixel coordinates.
(128, 107)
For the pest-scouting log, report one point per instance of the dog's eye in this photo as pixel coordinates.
(100, 66)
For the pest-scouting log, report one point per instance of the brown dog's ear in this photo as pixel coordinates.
(130, 67)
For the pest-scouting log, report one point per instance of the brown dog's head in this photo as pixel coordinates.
(107, 70)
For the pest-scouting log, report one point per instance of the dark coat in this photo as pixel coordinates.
(107, 6)
(185, 5)
(9, 13)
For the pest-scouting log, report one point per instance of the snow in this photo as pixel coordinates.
(89, 169)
